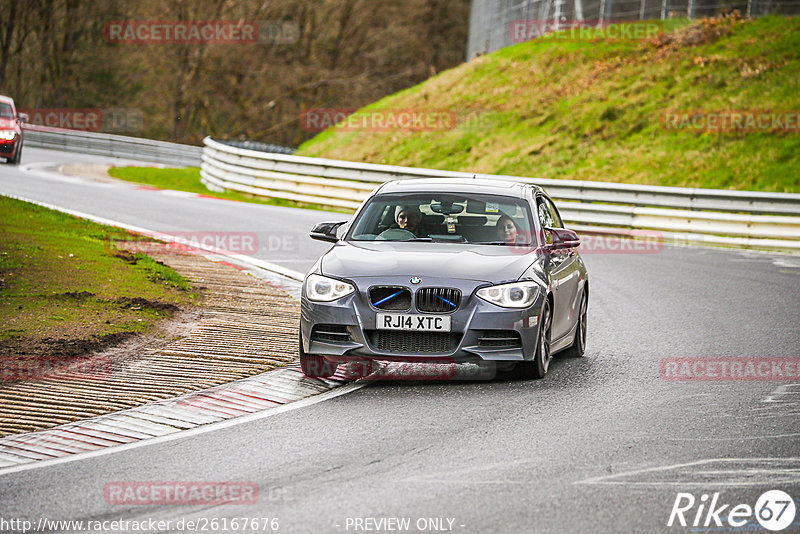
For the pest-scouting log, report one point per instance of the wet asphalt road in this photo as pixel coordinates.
(603, 444)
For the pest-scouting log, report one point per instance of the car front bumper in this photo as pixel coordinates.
(467, 342)
(9, 147)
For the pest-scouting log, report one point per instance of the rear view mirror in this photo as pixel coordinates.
(23, 118)
(446, 209)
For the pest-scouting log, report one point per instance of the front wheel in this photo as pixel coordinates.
(17, 157)
(578, 347)
(315, 366)
(537, 367)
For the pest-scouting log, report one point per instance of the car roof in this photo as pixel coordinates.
(459, 185)
(6, 99)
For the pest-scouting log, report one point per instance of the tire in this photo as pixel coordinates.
(578, 347)
(17, 157)
(537, 368)
(314, 366)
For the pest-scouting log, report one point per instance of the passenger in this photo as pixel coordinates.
(507, 229)
(409, 218)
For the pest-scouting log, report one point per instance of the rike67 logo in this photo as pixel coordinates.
(774, 510)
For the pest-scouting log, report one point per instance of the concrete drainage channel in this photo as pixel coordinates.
(171, 418)
(162, 418)
(250, 330)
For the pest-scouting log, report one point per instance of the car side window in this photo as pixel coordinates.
(543, 212)
(554, 216)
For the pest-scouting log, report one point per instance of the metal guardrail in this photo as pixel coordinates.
(259, 146)
(734, 218)
(112, 145)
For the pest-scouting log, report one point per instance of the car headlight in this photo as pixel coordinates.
(8, 134)
(323, 289)
(513, 295)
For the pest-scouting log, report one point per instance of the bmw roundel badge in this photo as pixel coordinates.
(416, 280)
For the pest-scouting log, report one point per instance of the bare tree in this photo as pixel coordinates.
(348, 53)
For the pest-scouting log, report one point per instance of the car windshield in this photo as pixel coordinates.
(6, 112)
(451, 217)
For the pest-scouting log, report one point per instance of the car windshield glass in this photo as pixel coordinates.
(446, 217)
(6, 112)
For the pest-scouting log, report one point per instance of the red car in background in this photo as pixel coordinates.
(10, 131)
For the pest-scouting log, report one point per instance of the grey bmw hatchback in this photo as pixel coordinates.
(446, 271)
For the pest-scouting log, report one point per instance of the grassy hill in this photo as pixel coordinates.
(595, 110)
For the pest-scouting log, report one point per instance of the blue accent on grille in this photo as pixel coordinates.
(447, 301)
(438, 299)
(384, 299)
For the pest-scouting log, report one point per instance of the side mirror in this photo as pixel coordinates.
(326, 231)
(561, 238)
(23, 118)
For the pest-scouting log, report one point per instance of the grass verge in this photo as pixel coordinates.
(65, 289)
(188, 179)
(596, 110)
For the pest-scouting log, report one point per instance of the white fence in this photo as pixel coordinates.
(735, 218)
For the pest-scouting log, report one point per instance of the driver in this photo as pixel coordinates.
(409, 218)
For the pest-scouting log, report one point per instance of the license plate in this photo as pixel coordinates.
(421, 323)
